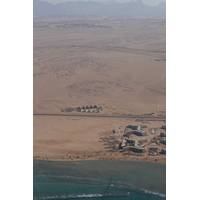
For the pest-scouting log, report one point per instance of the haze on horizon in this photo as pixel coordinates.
(148, 2)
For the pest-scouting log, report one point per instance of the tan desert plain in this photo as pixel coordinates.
(117, 65)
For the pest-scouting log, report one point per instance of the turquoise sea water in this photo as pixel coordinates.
(99, 180)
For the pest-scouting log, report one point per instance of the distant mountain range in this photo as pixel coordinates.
(98, 9)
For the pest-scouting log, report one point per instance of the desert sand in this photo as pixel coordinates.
(118, 64)
(83, 138)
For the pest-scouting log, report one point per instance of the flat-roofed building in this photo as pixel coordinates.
(136, 149)
(136, 132)
(163, 141)
(137, 142)
(163, 151)
(163, 134)
(135, 127)
(163, 127)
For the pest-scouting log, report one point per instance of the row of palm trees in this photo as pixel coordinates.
(83, 108)
(86, 107)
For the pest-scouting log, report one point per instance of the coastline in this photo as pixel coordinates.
(152, 159)
(79, 138)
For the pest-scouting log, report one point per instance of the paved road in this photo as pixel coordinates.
(110, 116)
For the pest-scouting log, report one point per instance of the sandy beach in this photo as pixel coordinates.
(79, 138)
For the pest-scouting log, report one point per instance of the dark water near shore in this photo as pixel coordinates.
(99, 180)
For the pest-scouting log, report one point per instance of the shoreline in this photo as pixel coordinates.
(61, 160)
(152, 159)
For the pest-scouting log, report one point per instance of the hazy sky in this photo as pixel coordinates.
(149, 2)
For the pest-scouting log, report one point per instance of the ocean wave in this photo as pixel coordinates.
(68, 197)
(81, 196)
(85, 196)
(154, 193)
(72, 177)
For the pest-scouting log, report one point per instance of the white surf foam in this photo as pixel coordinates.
(85, 195)
(69, 196)
(81, 196)
(154, 193)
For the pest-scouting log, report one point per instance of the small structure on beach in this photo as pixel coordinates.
(136, 149)
(124, 142)
(163, 127)
(163, 141)
(153, 151)
(136, 142)
(135, 127)
(163, 134)
(153, 144)
(136, 132)
(163, 151)
(153, 131)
